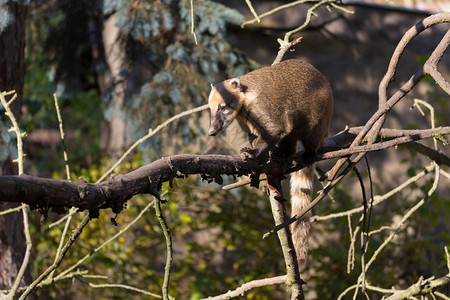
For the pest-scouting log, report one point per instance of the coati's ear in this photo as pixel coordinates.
(235, 83)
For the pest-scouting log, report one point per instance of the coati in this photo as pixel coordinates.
(279, 106)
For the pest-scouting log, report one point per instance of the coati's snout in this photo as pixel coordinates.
(220, 119)
(216, 125)
(224, 107)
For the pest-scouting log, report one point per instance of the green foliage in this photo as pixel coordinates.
(218, 246)
(217, 243)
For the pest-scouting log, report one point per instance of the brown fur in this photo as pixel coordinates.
(279, 106)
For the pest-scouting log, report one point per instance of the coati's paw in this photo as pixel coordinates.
(309, 157)
(247, 153)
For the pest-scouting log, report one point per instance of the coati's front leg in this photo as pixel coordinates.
(260, 147)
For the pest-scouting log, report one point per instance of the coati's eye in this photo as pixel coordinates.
(222, 106)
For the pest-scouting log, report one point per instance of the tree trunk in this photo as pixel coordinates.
(115, 136)
(12, 72)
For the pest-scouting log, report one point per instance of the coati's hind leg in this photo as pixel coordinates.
(285, 148)
(311, 145)
(309, 156)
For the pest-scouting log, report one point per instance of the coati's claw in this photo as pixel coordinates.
(247, 153)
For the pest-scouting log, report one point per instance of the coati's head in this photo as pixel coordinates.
(225, 101)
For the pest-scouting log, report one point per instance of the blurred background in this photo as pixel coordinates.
(120, 68)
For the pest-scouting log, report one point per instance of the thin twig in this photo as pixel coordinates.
(395, 230)
(73, 237)
(339, 153)
(69, 276)
(351, 248)
(361, 278)
(20, 162)
(193, 22)
(373, 126)
(123, 286)
(285, 43)
(250, 6)
(240, 291)
(69, 273)
(401, 223)
(363, 231)
(421, 287)
(377, 199)
(4, 212)
(276, 9)
(87, 256)
(168, 237)
(66, 162)
(61, 132)
(71, 212)
(150, 134)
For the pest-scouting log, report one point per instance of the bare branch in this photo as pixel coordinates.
(20, 161)
(406, 39)
(432, 62)
(276, 9)
(373, 126)
(113, 193)
(376, 199)
(439, 157)
(152, 132)
(293, 279)
(384, 145)
(169, 252)
(123, 286)
(248, 286)
(193, 22)
(250, 6)
(284, 47)
(422, 287)
(73, 237)
(285, 43)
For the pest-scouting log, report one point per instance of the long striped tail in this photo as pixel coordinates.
(301, 193)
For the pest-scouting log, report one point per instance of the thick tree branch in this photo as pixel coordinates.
(406, 39)
(113, 193)
(439, 157)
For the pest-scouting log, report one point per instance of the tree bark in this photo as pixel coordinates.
(114, 138)
(12, 72)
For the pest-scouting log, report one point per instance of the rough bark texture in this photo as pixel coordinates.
(115, 137)
(12, 71)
